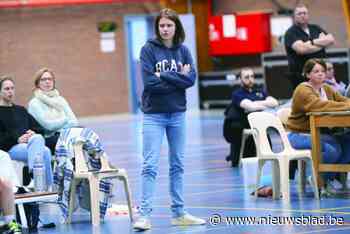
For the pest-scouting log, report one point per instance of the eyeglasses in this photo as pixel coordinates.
(46, 79)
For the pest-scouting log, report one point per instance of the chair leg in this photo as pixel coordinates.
(241, 151)
(128, 197)
(314, 179)
(276, 190)
(258, 176)
(71, 200)
(284, 178)
(301, 175)
(94, 200)
(344, 179)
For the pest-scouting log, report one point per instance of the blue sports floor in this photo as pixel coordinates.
(213, 190)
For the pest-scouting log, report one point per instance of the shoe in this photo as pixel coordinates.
(335, 184)
(30, 186)
(13, 228)
(142, 224)
(327, 192)
(187, 219)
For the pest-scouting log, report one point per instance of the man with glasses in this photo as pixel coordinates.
(248, 98)
(304, 41)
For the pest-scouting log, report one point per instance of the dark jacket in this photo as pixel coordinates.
(14, 122)
(166, 94)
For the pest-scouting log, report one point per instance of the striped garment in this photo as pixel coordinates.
(63, 174)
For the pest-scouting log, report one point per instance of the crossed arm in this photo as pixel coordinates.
(251, 106)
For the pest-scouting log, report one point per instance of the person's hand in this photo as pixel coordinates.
(23, 139)
(325, 39)
(30, 133)
(185, 69)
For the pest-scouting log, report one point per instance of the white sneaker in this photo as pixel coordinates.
(30, 186)
(187, 219)
(142, 224)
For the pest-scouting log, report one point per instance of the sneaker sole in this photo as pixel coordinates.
(185, 224)
(142, 228)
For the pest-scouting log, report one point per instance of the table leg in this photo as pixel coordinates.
(316, 149)
(22, 215)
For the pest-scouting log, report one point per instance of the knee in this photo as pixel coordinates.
(150, 170)
(177, 169)
(5, 184)
(37, 138)
(331, 154)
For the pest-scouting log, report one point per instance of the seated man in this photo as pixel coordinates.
(7, 204)
(19, 131)
(246, 99)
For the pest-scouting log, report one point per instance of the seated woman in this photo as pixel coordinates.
(315, 95)
(311, 96)
(20, 133)
(53, 112)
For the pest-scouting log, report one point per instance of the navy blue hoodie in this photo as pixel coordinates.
(167, 93)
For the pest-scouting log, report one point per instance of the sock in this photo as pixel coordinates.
(9, 218)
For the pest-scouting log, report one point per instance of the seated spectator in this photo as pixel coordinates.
(53, 112)
(331, 81)
(315, 95)
(7, 205)
(246, 99)
(20, 132)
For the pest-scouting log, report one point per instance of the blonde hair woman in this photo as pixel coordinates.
(53, 112)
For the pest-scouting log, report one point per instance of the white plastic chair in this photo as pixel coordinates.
(260, 122)
(93, 177)
(18, 167)
(246, 133)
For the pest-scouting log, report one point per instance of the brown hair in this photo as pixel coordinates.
(309, 65)
(239, 75)
(300, 5)
(179, 36)
(5, 78)
(40, 73)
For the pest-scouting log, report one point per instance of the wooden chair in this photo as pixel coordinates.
(106, 172)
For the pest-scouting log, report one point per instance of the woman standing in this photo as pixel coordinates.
(167, 71)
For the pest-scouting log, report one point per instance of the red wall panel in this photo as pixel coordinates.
(252, 35)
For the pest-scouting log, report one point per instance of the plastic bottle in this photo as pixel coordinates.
(39, 174)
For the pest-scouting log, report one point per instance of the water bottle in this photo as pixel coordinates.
(39, 174)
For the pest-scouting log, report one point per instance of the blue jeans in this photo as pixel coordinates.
(335, 149)
(154, 127)
(26, 152)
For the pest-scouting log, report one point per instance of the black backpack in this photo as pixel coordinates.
(31, 211)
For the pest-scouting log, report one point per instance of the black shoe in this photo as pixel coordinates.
(228, 158)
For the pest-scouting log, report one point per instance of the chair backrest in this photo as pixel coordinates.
(261, 122)
(81, 161)
(283, 114)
